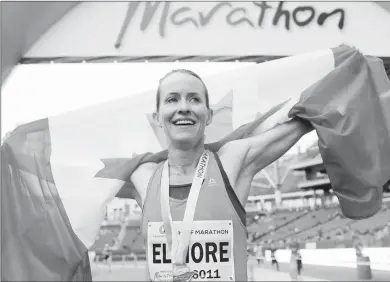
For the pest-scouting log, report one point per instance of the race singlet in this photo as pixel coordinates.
(210, 255)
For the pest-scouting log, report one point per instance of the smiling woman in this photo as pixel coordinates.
(183, 109)
(183, 112)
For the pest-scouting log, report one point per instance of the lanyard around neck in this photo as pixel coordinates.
(179, 240)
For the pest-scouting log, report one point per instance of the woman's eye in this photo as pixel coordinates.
(195, 99)
(170, 100)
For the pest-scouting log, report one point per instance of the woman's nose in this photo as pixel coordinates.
(183, 106)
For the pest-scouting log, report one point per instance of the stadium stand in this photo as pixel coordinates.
(107, 235)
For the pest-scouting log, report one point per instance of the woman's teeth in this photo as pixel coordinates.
(184, 122)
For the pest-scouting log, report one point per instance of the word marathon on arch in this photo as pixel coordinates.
(253, 15)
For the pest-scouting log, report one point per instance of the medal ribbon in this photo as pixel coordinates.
(179, 241)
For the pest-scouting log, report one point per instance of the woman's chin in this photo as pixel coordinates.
(185, 141)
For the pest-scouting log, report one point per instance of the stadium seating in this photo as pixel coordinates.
(327, 227)
(107, 235)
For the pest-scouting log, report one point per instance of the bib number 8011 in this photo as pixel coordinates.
(206, 274)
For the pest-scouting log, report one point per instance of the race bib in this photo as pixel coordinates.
(210, 254)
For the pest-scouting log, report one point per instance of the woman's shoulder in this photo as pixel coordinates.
(145, 170)
(141, 177)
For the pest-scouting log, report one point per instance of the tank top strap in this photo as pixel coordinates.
(156, 176)
(230, 191)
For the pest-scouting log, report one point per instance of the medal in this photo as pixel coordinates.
(181, 237)
(181, 272)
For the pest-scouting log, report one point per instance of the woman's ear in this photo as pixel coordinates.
(156, 118)
(210, 117)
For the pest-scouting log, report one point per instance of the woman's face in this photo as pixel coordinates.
(183, 113)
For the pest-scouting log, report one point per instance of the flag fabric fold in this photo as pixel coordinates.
(38, 242)
(345, 110)
(58, 174)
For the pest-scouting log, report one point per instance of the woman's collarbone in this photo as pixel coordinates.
(177, 178)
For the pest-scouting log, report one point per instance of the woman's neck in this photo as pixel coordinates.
(184, 160)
